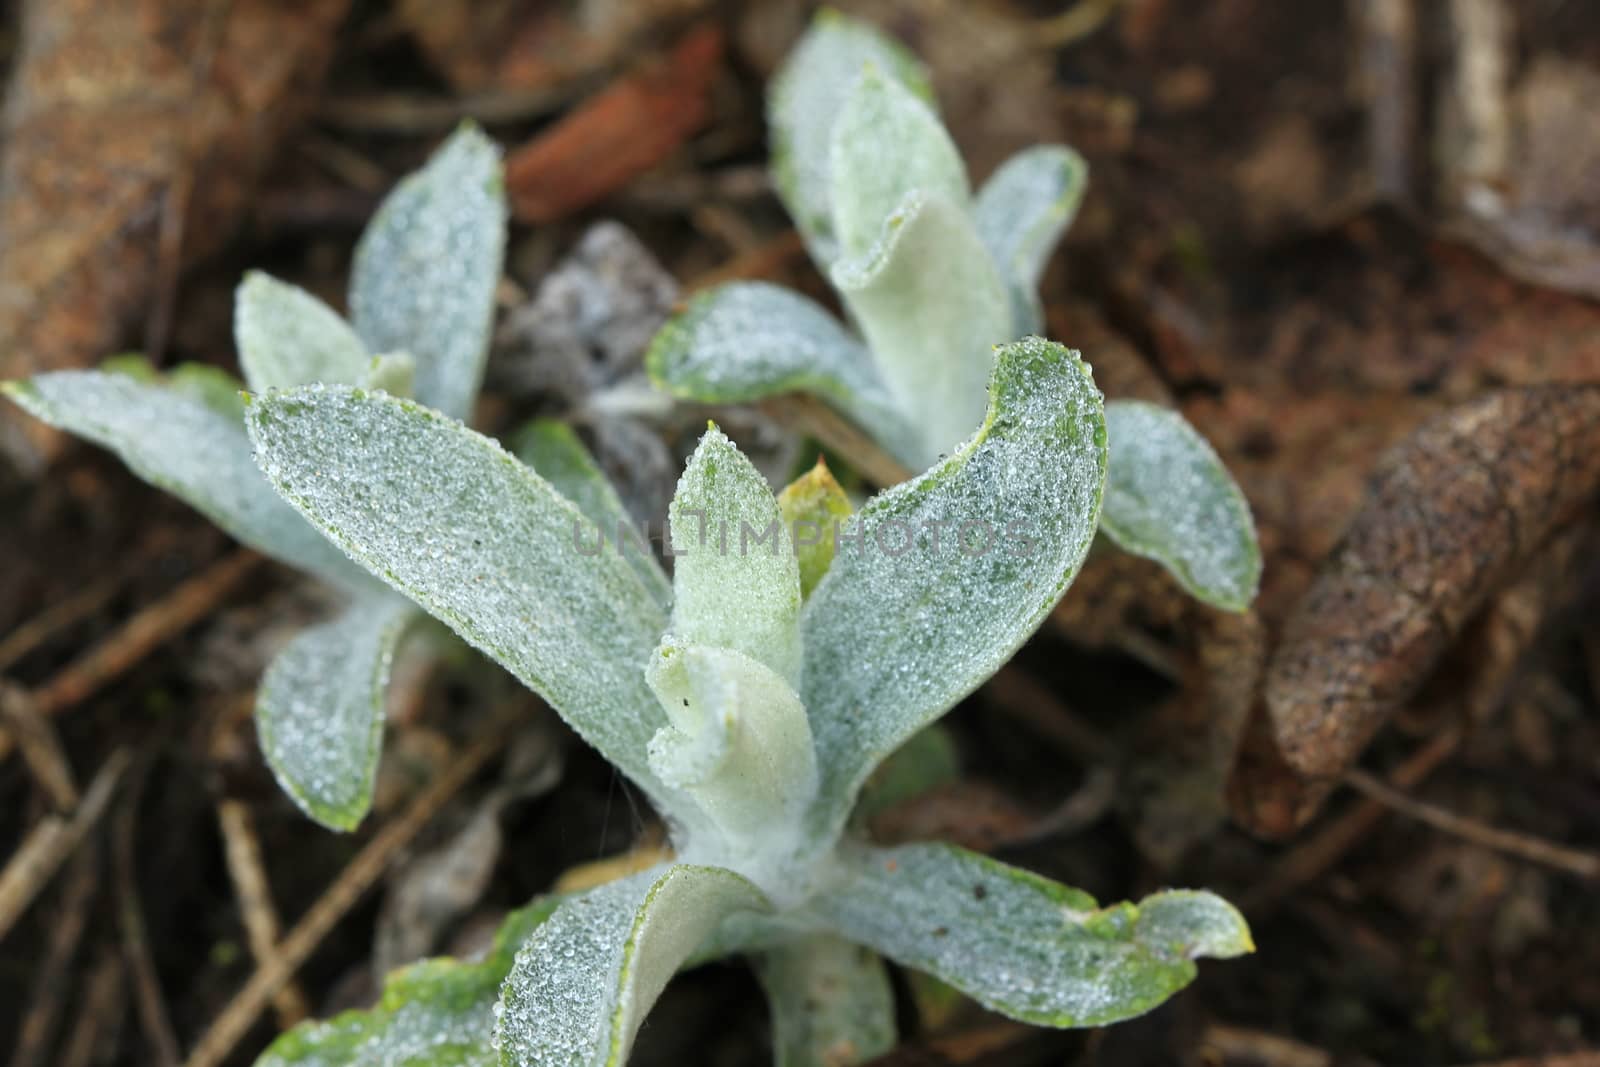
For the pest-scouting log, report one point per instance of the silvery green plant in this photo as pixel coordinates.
(933, 276)
(422, 306)
(749, 698)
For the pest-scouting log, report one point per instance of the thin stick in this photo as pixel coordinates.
(243, 851)
(765, 260)
(50, 978)
(1229, 1043)
(41, 748)
(1074, 24)
(51, 841)
(1524, 846)
(147, 996)
(100, 1015)
(152, 627)
(352, 884)
(1308, 860)
(812, 416)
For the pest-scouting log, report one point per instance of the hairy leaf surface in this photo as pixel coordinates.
(747, 341)
(803, 104)
(831, 1002)
(286, 337)
(179, 441)
(320, 708)
(437, 1013)
(951, 571)
(482, 543)
(1021, 212)
(553, 450)
(1169, 498)
(582, 984)
(736, 580)
(427, 266)
(1023, 945)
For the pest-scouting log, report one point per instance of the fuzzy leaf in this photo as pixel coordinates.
(320, 709)
(832, 1003)
(583, 982)
(553, 450)
(948, 573)
(811, 505)
(1022, 211)
(738, 742)
(463, 528)
(178, 440)
(736, 581)
(1170, 499)
(427, 266)
(287, 337)
(1023, 945)
(883, 120)
(931, 306)
(747, 341)
(803, 104)
(437, 1013)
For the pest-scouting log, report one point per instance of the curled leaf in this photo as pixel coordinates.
(1022, 211)
(811, 505)
(287, 337)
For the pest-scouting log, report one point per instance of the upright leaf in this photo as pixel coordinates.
(1023, 945)
(747, 341)
(1021, 212)
(177, 440)
(803, 104)
(320, 709)
(1169, 498)
(427, 266)
(738, 743)
(883, 120)
(812, 505)
(553, 450)
(931, 306)
(453, 521)
(583, 982)
(287, 337)
(437, 1013)
(736, 580)
(948, 573)
(832, 1004)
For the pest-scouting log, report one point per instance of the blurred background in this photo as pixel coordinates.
(1316, 227)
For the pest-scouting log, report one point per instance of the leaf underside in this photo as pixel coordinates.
(832, 1003)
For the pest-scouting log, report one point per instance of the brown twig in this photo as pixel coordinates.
(1524, 846)
(353, 882)
(1310, 859)
(811, 416)
(147, 996)
(51, 976)
(1074, 24)
(260, 915)
(41, 748)
(1571, 1059)
(766, 260)
(51, 841)
(1019, 695)
(1237, 1044)
(136, 638)
(101, 1012)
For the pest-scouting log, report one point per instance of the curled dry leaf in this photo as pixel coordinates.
(1450, 515)
(122, 121)
(614, 137)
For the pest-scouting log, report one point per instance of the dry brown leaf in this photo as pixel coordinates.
(1450, 515)
(134, 133)
(619, 134)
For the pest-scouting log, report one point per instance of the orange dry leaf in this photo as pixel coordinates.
(134, 131)
(616, 136)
